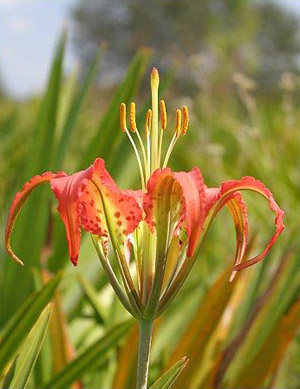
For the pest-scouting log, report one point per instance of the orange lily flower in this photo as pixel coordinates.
(155, 233)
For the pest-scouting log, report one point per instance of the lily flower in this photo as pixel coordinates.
(156, 233)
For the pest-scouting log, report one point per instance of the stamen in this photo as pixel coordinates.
(163, 115)
(185, 121)
(170, 149)
(124, 129)
(123, 117)
(135, 130)
(148, 122)
(163, 123)
(132, 120)
(175, 138)
(148, 126)
(178, 122)
(138, 159)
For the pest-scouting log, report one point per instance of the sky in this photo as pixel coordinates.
(28, 32)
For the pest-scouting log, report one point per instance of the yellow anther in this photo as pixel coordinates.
(163, 115)
(178, 122)
(148, 121)
(133, 127)
(123, 117)
(185, 120)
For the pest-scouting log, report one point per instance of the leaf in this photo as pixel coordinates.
(73, 113)
(201, 327)
(271, 352)
(23, 320)
(109, 128)
(96, 352)
(91, 295)
(167, 379)
(126, 372)
(30, 350)
(9, 375)
(61, 346)
(265, 315)
(28, 241)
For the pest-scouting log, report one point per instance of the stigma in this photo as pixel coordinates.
(149, 147)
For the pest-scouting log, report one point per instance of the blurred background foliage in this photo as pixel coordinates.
(236, 66)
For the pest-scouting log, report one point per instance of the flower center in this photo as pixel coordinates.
(149, 149)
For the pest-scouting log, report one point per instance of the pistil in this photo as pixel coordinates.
(154, 130)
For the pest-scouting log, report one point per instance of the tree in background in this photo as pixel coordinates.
(214, 39)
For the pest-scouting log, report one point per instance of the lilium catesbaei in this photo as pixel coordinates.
(157, 232)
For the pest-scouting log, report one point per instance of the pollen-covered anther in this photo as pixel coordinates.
(123, 117)
(148, 122)
(163, 115)
(185, 120)
(178, 122)
(132, 120)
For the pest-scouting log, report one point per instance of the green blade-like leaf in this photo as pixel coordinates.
(28, 242)
(30, 350)
(200, 329)
(19, 325)
(271, 352)
(73, 113)
(106, 138)
(91, 295)
(9, 375)
(167, 379)
(98, 351)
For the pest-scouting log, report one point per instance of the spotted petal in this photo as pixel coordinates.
(218, 197)
(174, 199)
(17, 204)
(105, 209)
(66, 190)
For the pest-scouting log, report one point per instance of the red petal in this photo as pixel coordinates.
(217, 198)
(66, 190)
(239, 213)
(192, 199)
(16, 206)
(105, 208)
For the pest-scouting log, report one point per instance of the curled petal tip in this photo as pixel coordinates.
(74, 259)
(18, 261)
(14, 257)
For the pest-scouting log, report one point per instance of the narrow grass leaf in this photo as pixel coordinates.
(199, 330)
(108, 133)
(23, 320)
(91, 295)
(30, 350)
(73, 113)
(28, 241)
(125, 375)
(167, 379)
(271, 352)
(96, 352)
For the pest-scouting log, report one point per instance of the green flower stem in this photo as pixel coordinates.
(145, 336)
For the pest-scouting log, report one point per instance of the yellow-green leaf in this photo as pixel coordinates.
(167, 379)
(30, 350)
